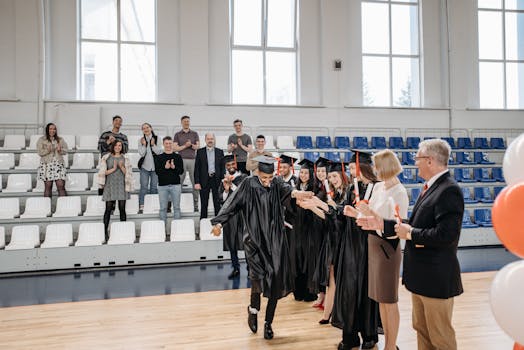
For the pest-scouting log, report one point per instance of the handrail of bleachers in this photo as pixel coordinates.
(135, 129)
(436, 132)
(20, 129)
(369, 132)
(505, 133)
(220, 130)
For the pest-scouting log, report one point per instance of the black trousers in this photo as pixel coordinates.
(255, 301)
(110, 206)
(241, 166)
(212, 185)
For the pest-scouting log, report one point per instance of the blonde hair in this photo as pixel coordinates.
(387, 164)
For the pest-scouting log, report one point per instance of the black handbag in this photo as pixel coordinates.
(141, 160)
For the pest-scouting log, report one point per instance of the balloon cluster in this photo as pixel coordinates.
(508, 221)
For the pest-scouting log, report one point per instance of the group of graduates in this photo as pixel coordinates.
(298, 238)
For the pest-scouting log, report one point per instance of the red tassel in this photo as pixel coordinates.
(278, 166)
(315, 169)
(357, 165)
(292, 166)
(344, 176)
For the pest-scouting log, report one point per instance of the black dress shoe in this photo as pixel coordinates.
(234, 274)
(370, 344)
(342, 346)
(268, 331)
(252, 321)
(323, 321)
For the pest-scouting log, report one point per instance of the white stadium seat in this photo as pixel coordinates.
(68, 206)
(9, 208)
(136, 180)
(14, 142)
(28, 161)
(122, 232)
(220, 141)
(285, 142)
(95, 206)
(37, 207)
(270, 141)
(69, 140)
(186, 203)
(7, 161)
(76, 182)
(33, 141)
(182, 230)
(87, 142)
(131, 205)
(24, 237)
(40, 186)
(153, 231)
(151, 204)
(133, 158)
(133, 141)
(90, 233)
(205, 231)
(94, 186)
(58, 235)
(2, 236)
(83, 161)
(18, 183)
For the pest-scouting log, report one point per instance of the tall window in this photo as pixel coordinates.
(264, 51)
(117, 50)
(501, 53)
(390, 53)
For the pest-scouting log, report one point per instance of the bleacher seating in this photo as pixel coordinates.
(152, 204)
(346, 156)
(7, 161)
(270, 142)
(37, 207)
(396, 142)
(342, 142)
(14, 142)
(9, 208)
(152, 231)
(483, 175)
(87, 142)
(378, 142)
(464, 142)
(496, 190)
(83, 161)
(483, 217)
(360, 142)
(415, 193)
(497, 143)
(58, 235)
(122, 232)
(463, 158)
(332, 156)
(133, 158)
(94, 186)
(304, 142)
(464, 175)
(407, 176)
(466, 220)
(182, 230)
(312, 156)
(76, 182)
(33, 141)
(40, 186)
(285, 142)
(132, 206)
(483, 194)
(451, 160)
(418, 179)
(408, 158)
(480, 142)
(28, 161)
(134, 139)
(412, 141)
(2, 237)
(24, 237)
(90, 234)
(186, 203)
(450, 140)
(468, 196)
(482, 158)
(220, 141)
(323, 142)
(68, 206)
(497, 174)
(94, 206)
(205, 231)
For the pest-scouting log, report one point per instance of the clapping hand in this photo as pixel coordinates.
(216, 230)
(303, 194)
(239, 141)
(364, 208)
(121, 164)
(110, 139)
(143, 141)
(168, 164)
(152, 141)
(233, 146)
(58, 148)
(188, 144)
(350, 211)
(172, 164)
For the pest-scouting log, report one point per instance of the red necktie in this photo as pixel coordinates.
(424, 189)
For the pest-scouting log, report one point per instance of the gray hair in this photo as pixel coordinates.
(210, 134)
(436, 148)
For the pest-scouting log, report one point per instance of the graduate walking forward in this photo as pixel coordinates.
(261, 200)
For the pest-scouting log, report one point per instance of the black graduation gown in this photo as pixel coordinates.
(266, 245)
(234, 228)
(353, 310)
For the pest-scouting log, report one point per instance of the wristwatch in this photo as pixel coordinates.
(408, 235)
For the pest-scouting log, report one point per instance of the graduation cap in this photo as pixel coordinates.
(230, 158)
(322, 162)
(306, 164)
(285, 159)
(266, 164)
(360, 157)
(338, 166)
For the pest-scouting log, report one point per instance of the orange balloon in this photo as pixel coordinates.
(517, 346)
(508, 218)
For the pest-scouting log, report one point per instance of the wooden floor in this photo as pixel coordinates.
(217, 320)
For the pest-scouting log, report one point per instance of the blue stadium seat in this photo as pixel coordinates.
(464, 142)
(342, 142)
(396, 142)
(482, 175)
(496, 190)
(483, 217)
(415, 193)
(360, 142)
(312, 156)
(483, 194)
(464, 175)
(463, 158)
(482, 158)
(450, 140)
(497, 143)
(333, 156)
(468, 198)
(304, 142)
(418, 178)
(407, 176)
(378, 142)
(451, 160)
(412, 141)
(466, 220)
(480, 142)
(408, 158)
(409, 214)
(346, 156)
(429, 138)
(497, 175)
(323, 142)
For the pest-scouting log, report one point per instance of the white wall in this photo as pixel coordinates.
(193, 69)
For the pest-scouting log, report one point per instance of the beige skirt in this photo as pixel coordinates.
(383, 270)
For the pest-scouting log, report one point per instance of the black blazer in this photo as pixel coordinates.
(201, 171)
(433, 270)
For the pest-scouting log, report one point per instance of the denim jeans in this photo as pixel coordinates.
(148, 184)
(164, 192)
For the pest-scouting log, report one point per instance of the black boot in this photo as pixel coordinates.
(342, 346)
(252, 321)
(268, 331)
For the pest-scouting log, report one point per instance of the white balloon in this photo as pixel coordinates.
(507, 303)
(513, 164)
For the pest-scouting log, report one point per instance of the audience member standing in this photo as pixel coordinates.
(186, 142)
(209, 172)
(116, 174)
(240, 145)
(109, 137)
(52, 148)
(147, 148)
(260, 144)
(169, 166)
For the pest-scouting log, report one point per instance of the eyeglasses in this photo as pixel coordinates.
(422, 157)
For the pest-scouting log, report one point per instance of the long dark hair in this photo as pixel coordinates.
(367, 172)
(112, 147)
(310, 183)
(47, 136)
(153, 135)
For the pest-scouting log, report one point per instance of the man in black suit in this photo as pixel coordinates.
(431, 268)
(209, 172)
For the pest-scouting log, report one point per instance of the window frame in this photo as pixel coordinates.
(264, 48)
(119, 42)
